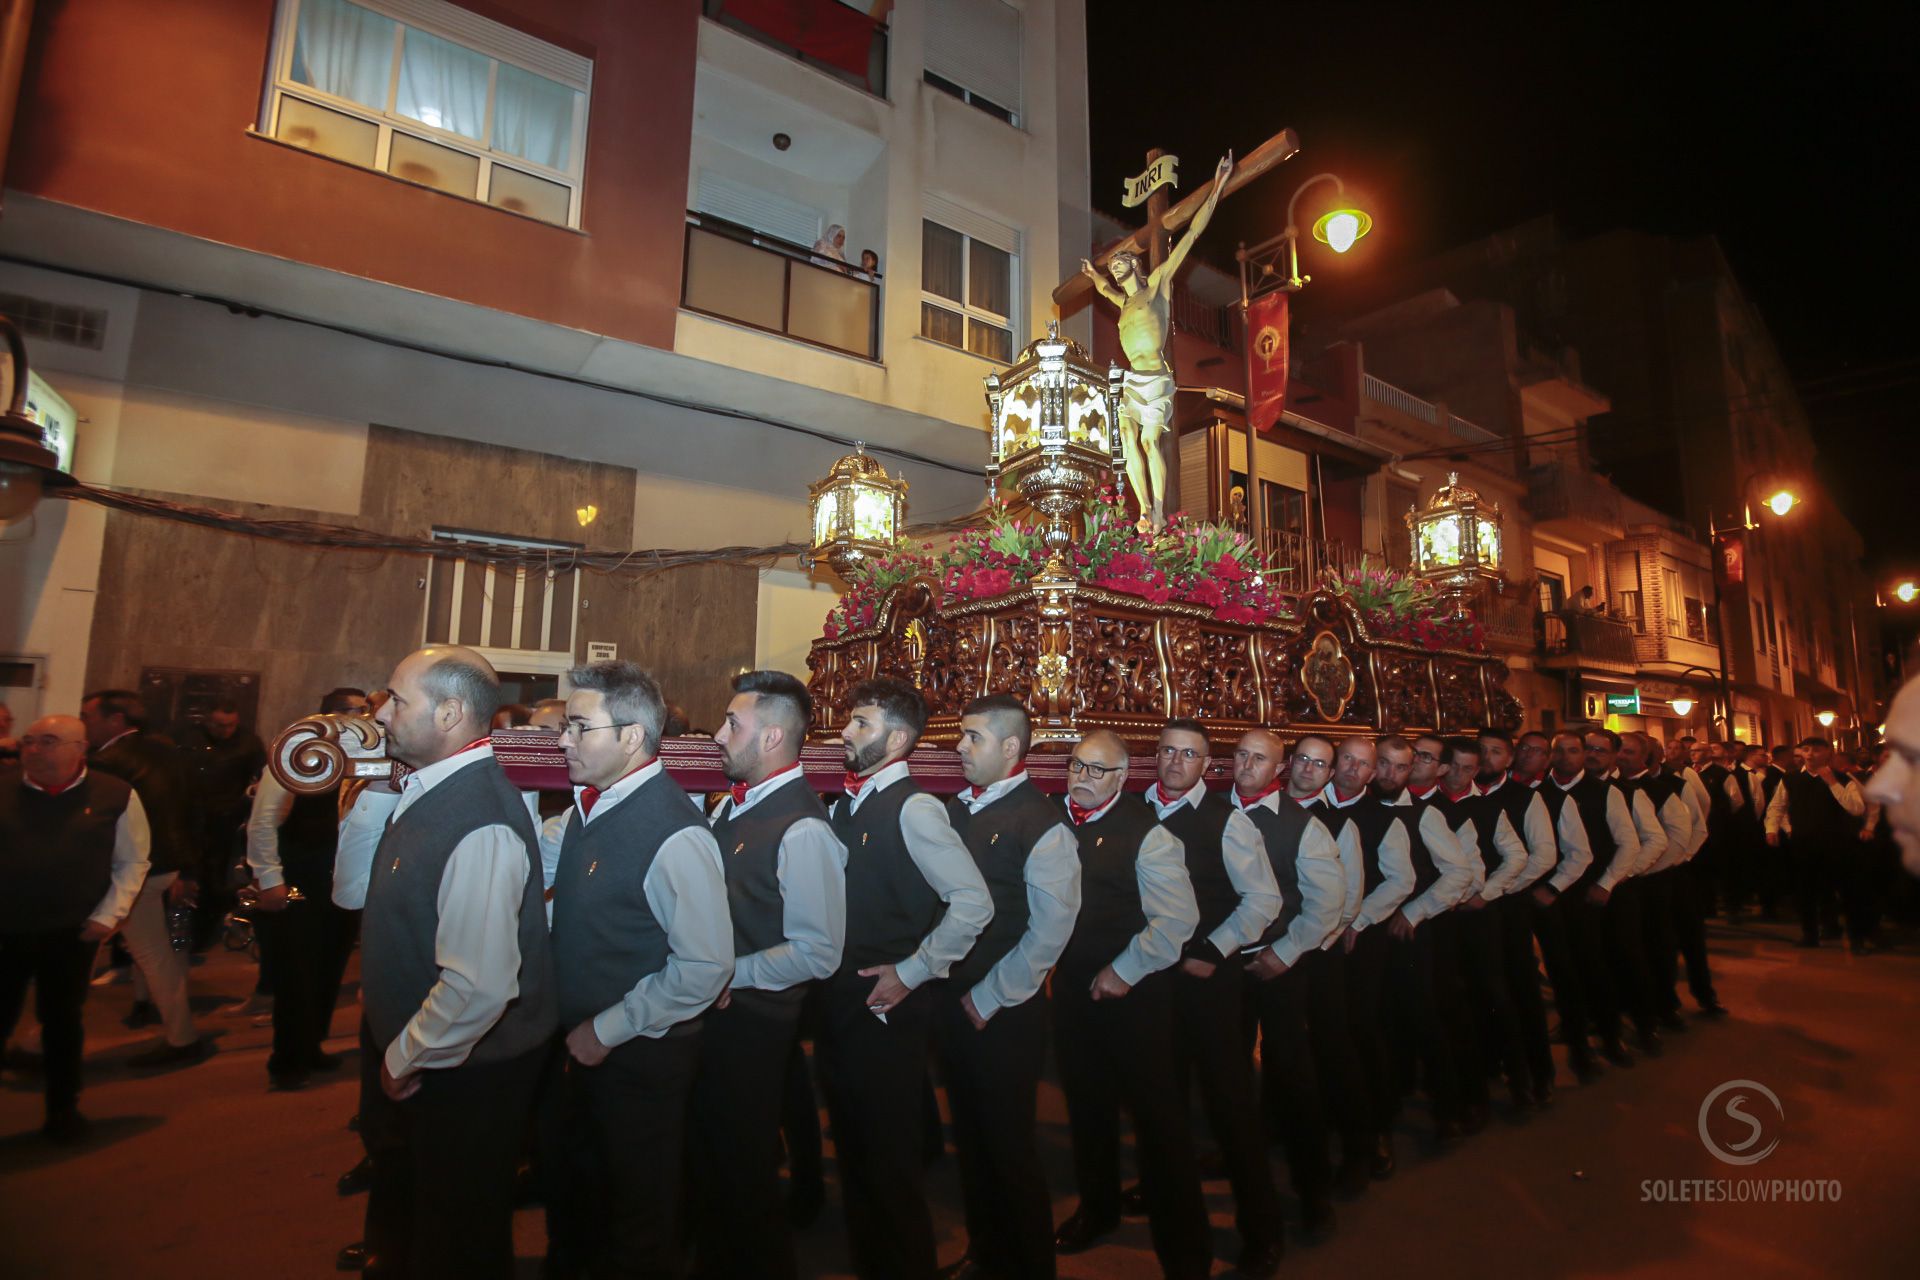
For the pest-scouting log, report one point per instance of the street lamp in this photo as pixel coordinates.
(1682, 707)
(1337, 228)
(858, 511)
(1826, 719)
(1906, 591)
(1781, 501)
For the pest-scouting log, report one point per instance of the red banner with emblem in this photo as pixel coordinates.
(1730, 558)
(1267, 359)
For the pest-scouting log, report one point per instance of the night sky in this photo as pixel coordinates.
(1788, 139)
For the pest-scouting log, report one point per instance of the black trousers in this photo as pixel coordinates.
(1522, 968)
(1119, 1053)
(1290, 1082)
(440, 1203)
(1586, 930)
(1554, 936)
(307, 946)
(1692, 896)
(800, 1112)
(58, 964)
(1366, 989)
(992, 1077)
(1625, 915)
(1335, 1060)
(612, 1149)
(1659, 901)
(1862, 885)
(875, 1074)
(740, 1226)
(1460, 1022)
(1423, 1034)
(1210, 1048)
(1492, 1013)
(1814, 881)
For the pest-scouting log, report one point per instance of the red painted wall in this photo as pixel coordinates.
(140, 110)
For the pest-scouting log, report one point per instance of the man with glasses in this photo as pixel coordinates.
(1234, 888)
(990, 1025)
(642, 945)
(787, 896)
(1351, 804)
(904, 863)
(1313, 892)
(1441, 878)
(1113, 1014)
(76, 856)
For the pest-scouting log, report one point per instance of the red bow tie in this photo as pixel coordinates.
(852, 783)
(589, 796)
(739, 791)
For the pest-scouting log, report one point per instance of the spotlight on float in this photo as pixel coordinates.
(1826, 719)
(27, 465)
(1682, 707)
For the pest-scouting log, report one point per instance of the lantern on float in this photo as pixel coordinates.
(858, 511)
(1053, 432)
(1456, 541)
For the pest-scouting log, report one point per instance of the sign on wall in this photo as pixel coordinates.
(602, 651)
(1623, 704)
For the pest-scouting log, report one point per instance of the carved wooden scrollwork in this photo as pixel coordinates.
(1229, 691)
(1116, 665)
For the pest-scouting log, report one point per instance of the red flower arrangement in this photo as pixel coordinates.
(1398, 606)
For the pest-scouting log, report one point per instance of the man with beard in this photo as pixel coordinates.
(1572, 858)
(1614, 842)
(456, 975)
(1313, 889)
(903, 862)
(1113, 1015)
(990, 1028)
(1626, 905)
(1234, 887)
(1526, 813)
(786, 893)
(1354, 812)
(1441, 878)
(1667, 794)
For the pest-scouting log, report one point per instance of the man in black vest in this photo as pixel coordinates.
(1614, 843)
(903, 862)
(1776, 866)
(73, 854)
(1667, 894)
(990, 1017)
(1515, 797)
(157, 772)
(1234, 888)
(304, 940)
(456, 976)
(1627, 902)
(1822, 811)
(787, 897)
(1353, 812)
(1113, 1014)
(1441, 878)
(642, 944)
(1313, 892)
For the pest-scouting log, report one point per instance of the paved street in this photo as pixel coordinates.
(203, 1172)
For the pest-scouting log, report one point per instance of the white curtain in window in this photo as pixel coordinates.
(533, 118)
(344, 50)
(443, 85)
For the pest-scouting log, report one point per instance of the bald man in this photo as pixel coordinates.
(75, 855)
(456, 977)
(1113, 1014)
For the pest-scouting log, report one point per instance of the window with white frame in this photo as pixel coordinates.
(973, 53)
(969, 280)
(435, 94)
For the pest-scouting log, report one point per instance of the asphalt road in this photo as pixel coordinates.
(203, 1172)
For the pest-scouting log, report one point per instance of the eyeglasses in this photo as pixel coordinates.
(572, 729)
(1076, 765)
(1180, 753)
(1311, 763)
(1425, 755)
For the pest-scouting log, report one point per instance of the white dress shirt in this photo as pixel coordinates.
(1166, 899)
(1621, 825)
(1507, 845)
(811, 868)
(132, 842)
(686, 890)
(1244, 855)
(1675, 816)
(1322, 884)
(477, 941)
(1570, 834)
(1052, 877)
(1454, 864)
(942, 859)
(1536, 832)
(1395, 860)
(1698, 802)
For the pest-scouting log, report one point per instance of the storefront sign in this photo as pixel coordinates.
(1623, 704)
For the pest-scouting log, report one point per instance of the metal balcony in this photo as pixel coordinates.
(1585, 641)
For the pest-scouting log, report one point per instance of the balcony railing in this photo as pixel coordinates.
(1509, 622)
(740, 275)
(825, 34)
(1302, 561)
(1588, 636)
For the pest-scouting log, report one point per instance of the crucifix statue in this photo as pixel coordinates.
(1138, 279)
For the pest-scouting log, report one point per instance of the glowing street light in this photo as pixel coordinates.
(1781, 501)
(1825, 718)
(1682, 707)
(1339, 228)
(1906, 592)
